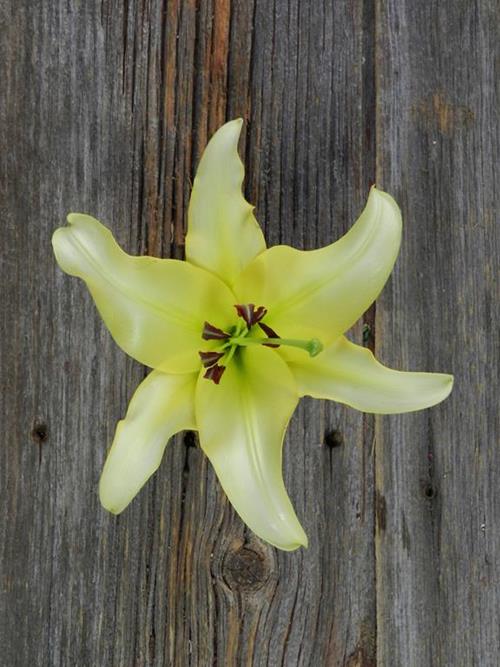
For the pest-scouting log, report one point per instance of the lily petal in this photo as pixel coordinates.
(350, 374)
(161, 406)
(223, 235)
(321, 293)
(241, 423)
(154, 308)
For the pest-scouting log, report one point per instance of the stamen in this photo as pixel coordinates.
(214, 373)
(210, 358)
(230, 342)
(270, 333)
(213, 333)
(250, 314)
(313, 346)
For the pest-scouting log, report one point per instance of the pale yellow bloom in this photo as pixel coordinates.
(173, 315)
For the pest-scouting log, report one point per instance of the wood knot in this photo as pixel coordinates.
(245, 570)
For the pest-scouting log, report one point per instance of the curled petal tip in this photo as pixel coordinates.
(231, 129)
(107, 498)
(73, 218)
(377, 193)
(109, 508)
(449, 381)
(235, 123)
(300, 540)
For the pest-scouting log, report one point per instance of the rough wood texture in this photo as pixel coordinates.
(105, 108)
(438, 472)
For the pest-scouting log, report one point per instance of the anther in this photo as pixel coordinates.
(214, 373)
(270, 334)
(250, 313)
(213, 333)
(210, 358)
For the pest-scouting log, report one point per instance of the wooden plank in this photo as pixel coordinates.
(437, 472)
(106, 107)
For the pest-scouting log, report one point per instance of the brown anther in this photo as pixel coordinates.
(250, 313)
(214, 373)
(210, 358)
(269, 332)
(213, 333)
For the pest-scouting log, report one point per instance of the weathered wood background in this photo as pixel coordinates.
(105, 108)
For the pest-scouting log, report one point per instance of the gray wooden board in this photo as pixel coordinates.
(438, 471)
(105, 108)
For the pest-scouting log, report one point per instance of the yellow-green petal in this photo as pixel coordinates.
(161, 406)
(321, 293)
(154, 308)
(350, 374)
(223, 235)
(242, 422)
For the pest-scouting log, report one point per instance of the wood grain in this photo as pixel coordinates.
(106, 108)
(438, 471)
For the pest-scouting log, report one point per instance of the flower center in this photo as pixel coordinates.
(239, 337)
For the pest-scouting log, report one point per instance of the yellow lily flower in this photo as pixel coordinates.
(236, 335)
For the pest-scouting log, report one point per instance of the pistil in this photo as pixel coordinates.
(312, 346)
(238, 336)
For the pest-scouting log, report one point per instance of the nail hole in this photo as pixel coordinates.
(429, 491)
(190, 439)
(334, 438)
(40, 433)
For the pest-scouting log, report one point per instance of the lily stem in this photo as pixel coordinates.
(313, 346)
